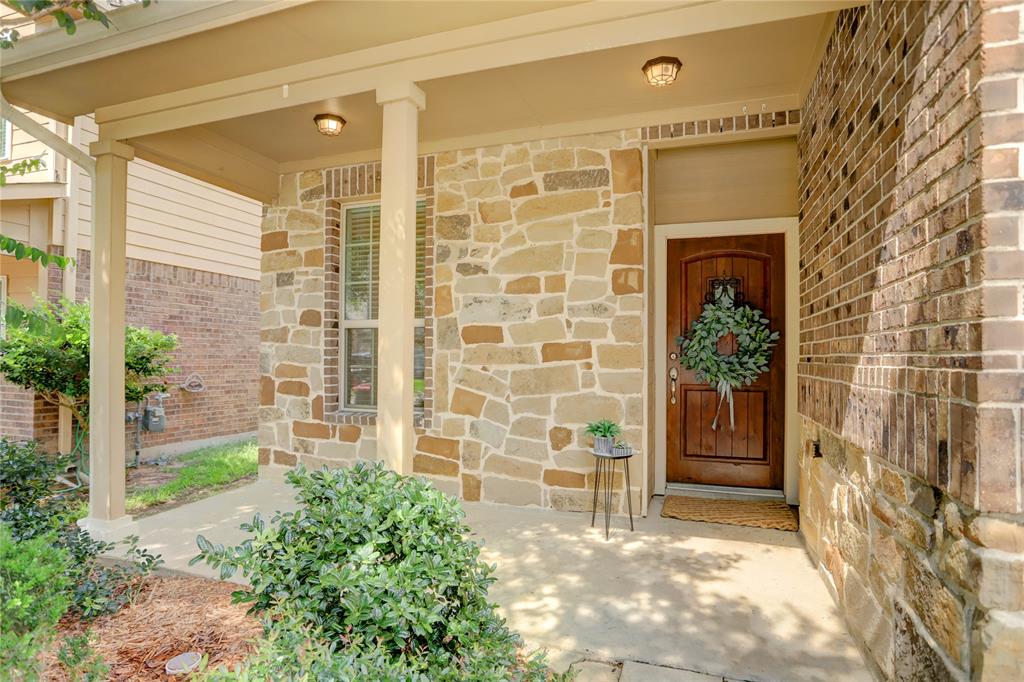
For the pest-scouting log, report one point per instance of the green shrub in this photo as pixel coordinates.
(80, 660)
(373, 572)
(33, 597)
(28, 511)
(46, 350)
(26, 479)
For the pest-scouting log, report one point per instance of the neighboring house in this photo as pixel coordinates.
(852, 168)
(193, 270)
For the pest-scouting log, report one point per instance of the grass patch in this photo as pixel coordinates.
(200, 470)
(198, 474)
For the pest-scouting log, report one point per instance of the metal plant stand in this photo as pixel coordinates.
(606, 471)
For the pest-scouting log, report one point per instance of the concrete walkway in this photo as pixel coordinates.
(670, 602)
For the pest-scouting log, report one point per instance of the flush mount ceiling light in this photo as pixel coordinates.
(661, 71)
(329, 124)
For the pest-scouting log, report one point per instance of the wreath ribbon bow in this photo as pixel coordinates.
(698, 349)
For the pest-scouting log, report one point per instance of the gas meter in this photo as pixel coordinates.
(154, 417)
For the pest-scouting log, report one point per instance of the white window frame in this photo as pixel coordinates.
(344, 324)
(7, 150)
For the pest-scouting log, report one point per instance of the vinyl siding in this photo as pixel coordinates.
(26, 221)
(176, 220)
(23, 277)
(24, 146)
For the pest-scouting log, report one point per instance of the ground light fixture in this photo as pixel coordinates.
(661, 71)
(329, 124)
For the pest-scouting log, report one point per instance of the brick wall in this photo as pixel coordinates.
(911, 335)
(15, 411)
(216, 320)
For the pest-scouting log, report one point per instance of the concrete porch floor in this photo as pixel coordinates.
(724, 601)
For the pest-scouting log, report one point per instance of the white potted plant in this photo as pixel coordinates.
(604, 432)
(621, 449)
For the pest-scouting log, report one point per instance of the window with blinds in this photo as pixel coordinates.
(359, 300)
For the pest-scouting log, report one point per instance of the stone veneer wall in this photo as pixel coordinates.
(911, 335)
(536, 325)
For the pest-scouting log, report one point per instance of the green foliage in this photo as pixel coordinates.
(46, 350)
(28, 512)
(373, 573)
(14, 247)
(203, 473)
(26, 477)
(64, 12)
(605, 428)
(33, 578)
(293, 651)
(25, 473)
(23, 167)
(754, 342)
(80, 660)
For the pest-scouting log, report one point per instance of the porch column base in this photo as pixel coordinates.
(111, 530)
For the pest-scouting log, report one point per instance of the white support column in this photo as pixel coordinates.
(107, 518)
(402, 103)
(65, 423)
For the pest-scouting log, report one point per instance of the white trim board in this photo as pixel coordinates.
(730, 228)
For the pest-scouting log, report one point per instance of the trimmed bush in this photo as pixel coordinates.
(29, 511)
(374, 577)
(33, 584)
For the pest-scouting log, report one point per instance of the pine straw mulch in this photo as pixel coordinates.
(171, 615)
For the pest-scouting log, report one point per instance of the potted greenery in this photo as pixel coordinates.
(622, 449)
(604, 432)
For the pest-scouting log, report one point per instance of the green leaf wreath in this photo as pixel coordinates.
(698, 349)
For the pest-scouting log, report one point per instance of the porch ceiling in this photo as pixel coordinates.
(742, 66)
(237, 38)
(212, 101)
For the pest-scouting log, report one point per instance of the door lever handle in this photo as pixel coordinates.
(673, 375)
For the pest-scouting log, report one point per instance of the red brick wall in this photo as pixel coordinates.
(15, 412)
(1000, 389)
(892, 261)
(216, 319)
(912, 332)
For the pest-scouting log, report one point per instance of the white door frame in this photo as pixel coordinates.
(731, 228)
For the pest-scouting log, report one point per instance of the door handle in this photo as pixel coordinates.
(673, 375)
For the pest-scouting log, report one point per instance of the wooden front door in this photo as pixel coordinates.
(751, 453)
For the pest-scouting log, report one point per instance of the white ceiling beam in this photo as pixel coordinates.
(209, 157)
(549, 130)
(33, 190)
(543, 35)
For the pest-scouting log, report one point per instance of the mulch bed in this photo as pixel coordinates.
(170, 616)
(150, 476)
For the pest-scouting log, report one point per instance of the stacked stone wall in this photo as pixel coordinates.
(534, 298)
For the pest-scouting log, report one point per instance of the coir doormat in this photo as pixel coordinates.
(775, 514)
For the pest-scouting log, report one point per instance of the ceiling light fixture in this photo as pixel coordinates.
(661, 71)
(329, 124)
